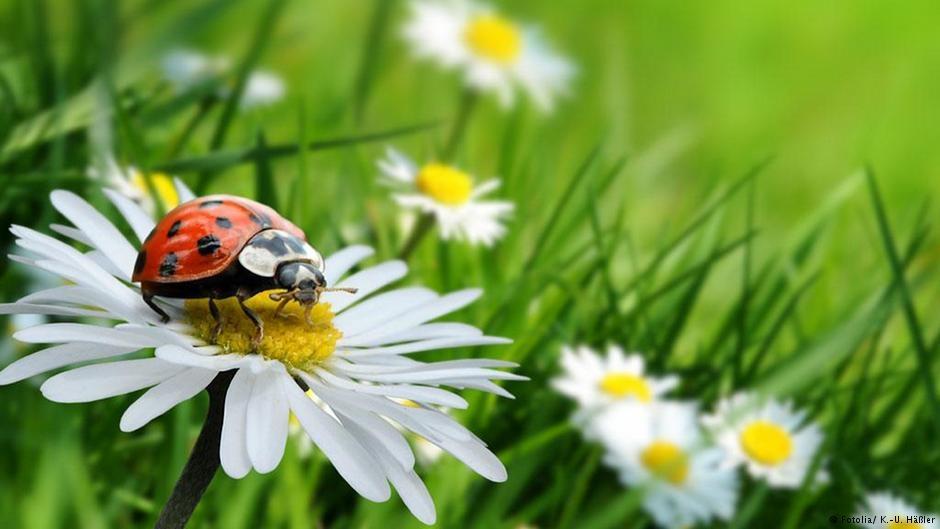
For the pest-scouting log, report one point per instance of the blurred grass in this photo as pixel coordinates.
(645, 217)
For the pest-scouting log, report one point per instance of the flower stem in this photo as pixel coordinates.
(418, 231)
(203, 461)
(468, 101)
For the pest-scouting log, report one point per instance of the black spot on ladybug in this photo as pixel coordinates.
(140, 262)
(208, 245)
(223, 222)
(211, 203)
(168, 265)
(174, 229)
(261, 220)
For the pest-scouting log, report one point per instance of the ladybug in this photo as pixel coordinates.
(221, 246)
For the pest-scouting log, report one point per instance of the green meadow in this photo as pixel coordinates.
(742, 193)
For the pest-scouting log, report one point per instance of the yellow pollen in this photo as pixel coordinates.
(287, 337)
(444, 183)
(494, 38)
(666, 461)
(766, 443)
(162, 184)
(626, 385)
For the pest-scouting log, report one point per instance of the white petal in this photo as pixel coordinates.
(426, 345)
(101, 381)
(72, 233)
(340, 262)
(380, 308)
(432, 377)
(481, 385)
(433, 330)
(233, 451)
(429, 311)
(266, 422)
(422, 394)
(96, 227)
(73, 263)
(476, 456)
(428, 423)
(181, 356)
(352, 461)
(78, 295)
(140, 221)
(367, 282)
(412, 490)
(50, 310)
(81, 332)
(56, 357)
(158, 335)
(162, 397)
(377, 427)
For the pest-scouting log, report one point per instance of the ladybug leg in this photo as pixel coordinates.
(259, 325)
(214, 310)
(280, 307)
(148, 299)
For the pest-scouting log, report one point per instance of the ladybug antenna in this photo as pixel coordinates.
(339, 289)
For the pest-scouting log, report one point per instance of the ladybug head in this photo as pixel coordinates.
(303, 282)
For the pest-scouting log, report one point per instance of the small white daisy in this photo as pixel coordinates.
(659, 447)
(770, 438)
(186, 69)
(131, 183)
(353, 357)
(493, 53)
(262, 88)
(450, 195)
(885, 511)
(595, 381)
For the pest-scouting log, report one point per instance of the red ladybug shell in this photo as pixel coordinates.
(202, 238)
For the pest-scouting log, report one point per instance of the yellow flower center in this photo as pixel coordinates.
(287, 337)
(666, 461)
(162, 184)
(444, 183)
(903, 525)
(766, 443)
(626, 385)
(494, 38)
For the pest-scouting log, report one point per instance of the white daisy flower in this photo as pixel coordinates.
(450, 195)
(885, 511)
(493, 53)
(186, 69)
(262, 88)
(594, 381)
(353, 357)
(659, 447)
(131, 183)
(769, 437)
